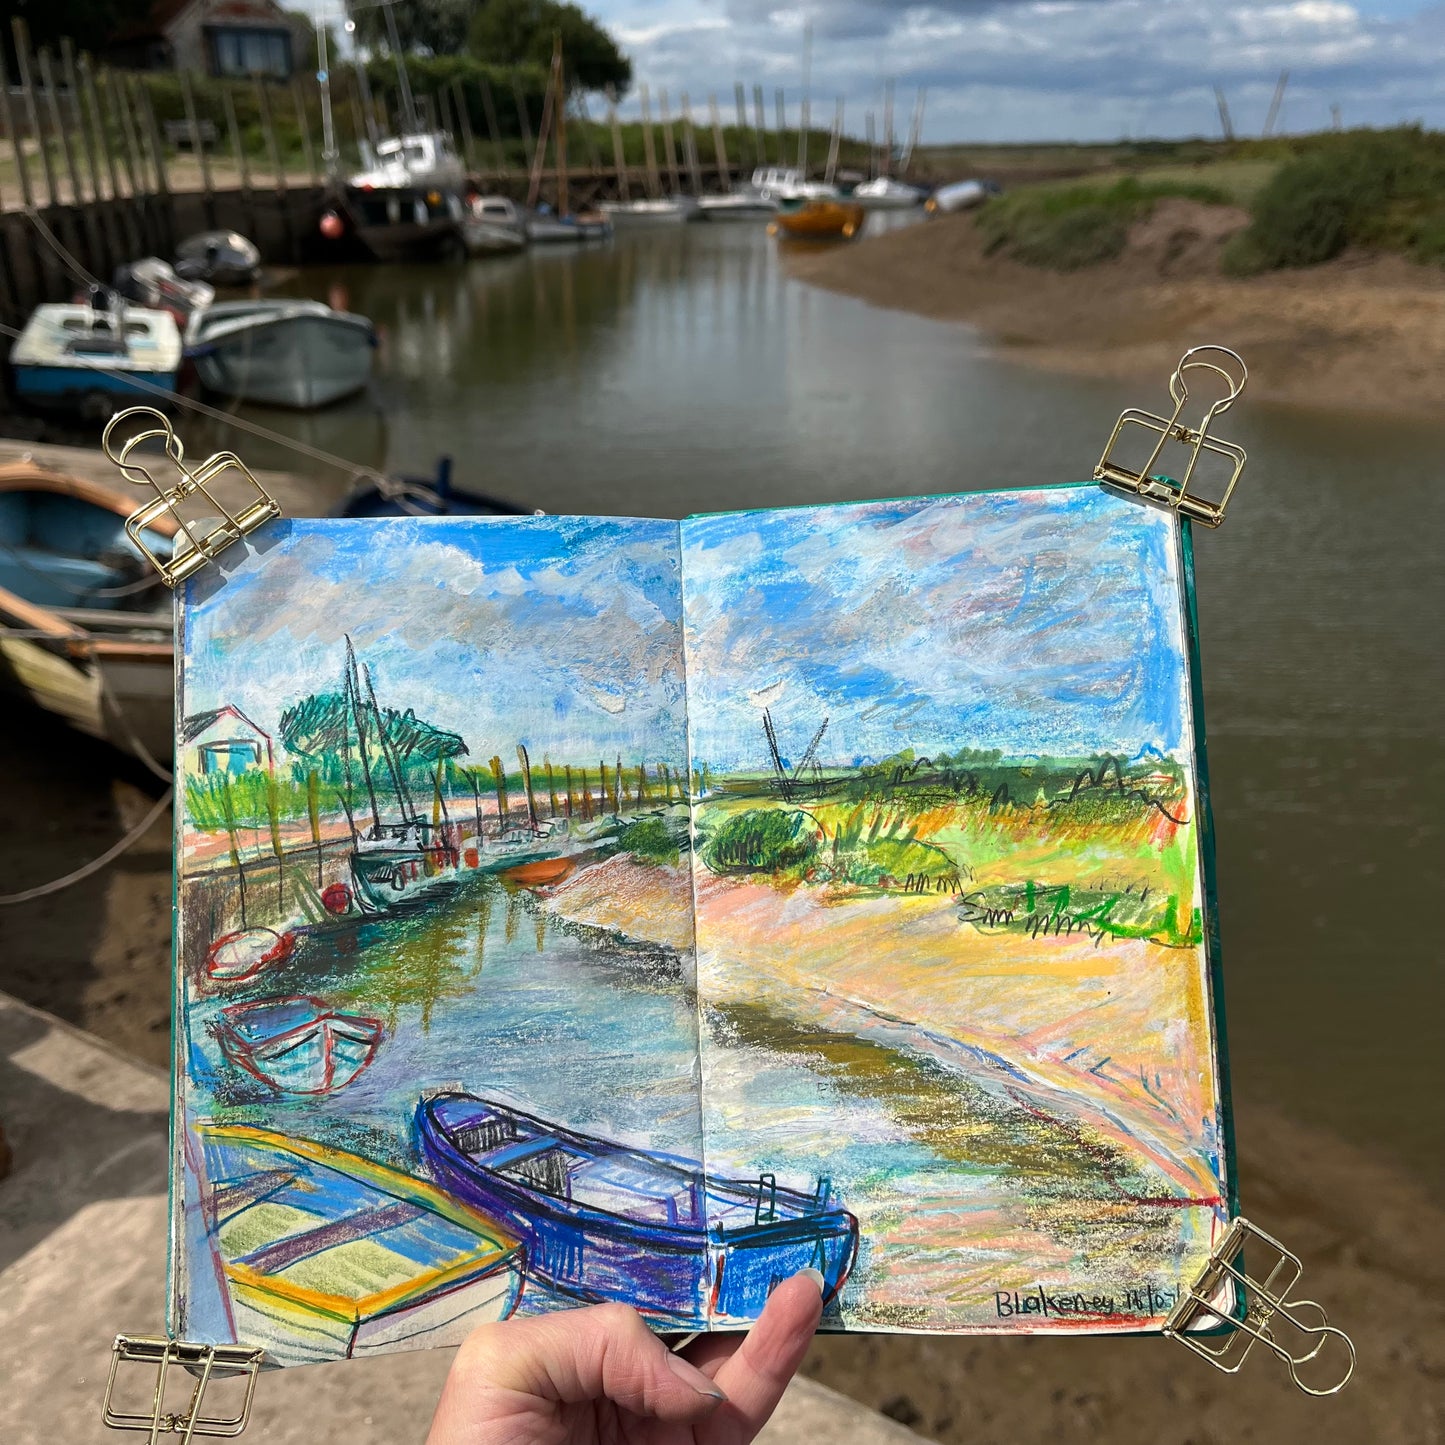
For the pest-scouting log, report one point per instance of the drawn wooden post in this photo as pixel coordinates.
(459, 100)
(619, 156)
(313, 816)
(32, 111)
(654, 183)
(303, 124)
(567, 801)
(7, 119)
(198, 146)
(667, 146)
(551, 784)
(526, 763)
(617, 792)
(499, 781)
(719, 145)
(523, 120)
(494, 131)
(760, 129)
(689, 145)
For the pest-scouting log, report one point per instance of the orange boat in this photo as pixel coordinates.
(544, 870)
(819, 221)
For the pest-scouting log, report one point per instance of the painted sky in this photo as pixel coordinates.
(557, 632)
(998, 70)
(1032, 621)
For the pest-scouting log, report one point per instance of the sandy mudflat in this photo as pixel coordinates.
(1364, 333)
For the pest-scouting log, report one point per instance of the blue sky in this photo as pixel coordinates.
(560, 633)
(1032, 621)
(998, 70)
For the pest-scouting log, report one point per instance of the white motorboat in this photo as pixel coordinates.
(407, 204)
(493, 225)
(668, 211)
(789, 186)
(886, 194)
(281, 353)
(960, 196)
(219, 258)
(742, 204)
(154, 283)
(547, 229)
(93, 359)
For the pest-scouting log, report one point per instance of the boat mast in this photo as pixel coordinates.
(330, 156)
(410, 120)
(388, 752)
(561, 108)
(353, 700)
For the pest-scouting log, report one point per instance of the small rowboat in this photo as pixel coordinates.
(298, 1045)
(235, 957)
(85, 624)
(819, 221)
(543, 871)
(603, 1222)
(327, 1255)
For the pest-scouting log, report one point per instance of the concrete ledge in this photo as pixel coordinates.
(82, 1257)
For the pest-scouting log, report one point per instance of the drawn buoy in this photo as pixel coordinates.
(336, 898)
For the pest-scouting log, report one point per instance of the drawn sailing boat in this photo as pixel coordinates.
(392, 863)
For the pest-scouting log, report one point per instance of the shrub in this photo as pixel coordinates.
(762, 840)
(1381, 189)
(1066, 227)
(650, 839)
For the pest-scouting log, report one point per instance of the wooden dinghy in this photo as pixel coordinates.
(85, 626)
(326, 1254)
(600, 1221)
(819, 221)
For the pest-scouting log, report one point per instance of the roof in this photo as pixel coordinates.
(198, 722)
(164, 13)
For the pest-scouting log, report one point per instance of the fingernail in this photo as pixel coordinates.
(813, 1274)
(691, 1376)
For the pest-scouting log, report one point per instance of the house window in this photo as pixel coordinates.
(232, 756)
(242, 50)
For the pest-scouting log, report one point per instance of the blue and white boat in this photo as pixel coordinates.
(600, 1221)
(298, 1045)
(95, 359)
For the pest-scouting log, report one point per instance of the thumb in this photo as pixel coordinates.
(603, 1352)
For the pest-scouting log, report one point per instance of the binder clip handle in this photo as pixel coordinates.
(1229, 367)
(162, 428)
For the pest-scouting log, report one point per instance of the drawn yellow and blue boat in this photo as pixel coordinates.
(327, 1254)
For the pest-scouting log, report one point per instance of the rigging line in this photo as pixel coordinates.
(355, 469)
(56, 245)
(95, 864)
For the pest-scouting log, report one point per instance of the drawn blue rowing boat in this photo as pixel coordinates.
(603, 1222)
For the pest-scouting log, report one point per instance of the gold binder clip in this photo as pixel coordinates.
(206, 1363)
(1270, 1317)
(1155, 486)
(194, 545)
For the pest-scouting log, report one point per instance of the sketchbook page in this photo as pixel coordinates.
(957, 1032)
(436, 1055)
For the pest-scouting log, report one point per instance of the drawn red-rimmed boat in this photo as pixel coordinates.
(298, 1045)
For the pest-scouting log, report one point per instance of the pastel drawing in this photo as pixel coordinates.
(579, 909)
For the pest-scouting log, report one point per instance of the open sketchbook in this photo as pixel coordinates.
(603, 909)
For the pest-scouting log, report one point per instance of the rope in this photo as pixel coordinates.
(95, 864)
(56, 245)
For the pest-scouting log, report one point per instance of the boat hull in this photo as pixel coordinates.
(683, 1274)
(820, 221)
(298, 1045)
(69, 388)
(304, 362)
(386, 880)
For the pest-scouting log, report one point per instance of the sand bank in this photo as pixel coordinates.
(1364, 333)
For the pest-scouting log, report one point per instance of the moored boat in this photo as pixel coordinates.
(326, 1254)
(299, 354)
(94, 359)
(883, 193)
(236, 957)
(493, 226)
(154, 283)
(404, 496)
(539, 872)
(407, 204)
(665, 211)
(789, 186)
(298, 1045)
(819, 221)
(742, 204)
(85, 625)
(546, 229)
(960, 196)
(600, 1221)
(219, 258)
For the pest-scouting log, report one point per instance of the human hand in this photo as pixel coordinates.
(596, 1375)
